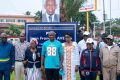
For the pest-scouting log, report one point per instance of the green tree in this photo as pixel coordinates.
(116, 21)
(21, 27)
(27, 13)
(69, 8)
(115, 26)
(70, 11)
(38, 16)
(114, 30)
(81, 17)
(13, 30)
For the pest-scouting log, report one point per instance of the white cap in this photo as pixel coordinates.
(86, 33)
(51, 33)
(89, 40)
(110, 37)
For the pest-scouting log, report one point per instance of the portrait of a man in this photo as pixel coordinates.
(49, 11)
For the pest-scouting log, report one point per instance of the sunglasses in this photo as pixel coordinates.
(67, 37)
(109, 39)
(89, 43)
(85, 35)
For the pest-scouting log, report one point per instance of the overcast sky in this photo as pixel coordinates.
(21, 6)
(115, 9)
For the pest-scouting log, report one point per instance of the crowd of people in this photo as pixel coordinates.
(60, 61)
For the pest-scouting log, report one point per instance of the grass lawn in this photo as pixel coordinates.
(78, 77)
(13, 76)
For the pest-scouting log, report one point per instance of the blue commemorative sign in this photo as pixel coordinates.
(40, 31)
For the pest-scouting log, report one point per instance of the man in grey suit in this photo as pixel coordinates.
(50, 15)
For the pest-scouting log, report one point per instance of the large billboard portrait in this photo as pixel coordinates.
(51, 11)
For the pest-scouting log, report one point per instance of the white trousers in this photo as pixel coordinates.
(19, 71)
(33, 74)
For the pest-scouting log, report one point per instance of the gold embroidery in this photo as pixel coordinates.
(68, 61)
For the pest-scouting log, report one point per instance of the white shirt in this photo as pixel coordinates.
(34, 56)
(101, 45)
(109, 47)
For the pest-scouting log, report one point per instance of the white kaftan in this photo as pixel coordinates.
(71, 59)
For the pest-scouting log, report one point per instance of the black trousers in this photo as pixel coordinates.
(81, 76)
(101, 76)
(52, 74)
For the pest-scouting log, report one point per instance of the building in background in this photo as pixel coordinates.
(6, 20)
(16, 19)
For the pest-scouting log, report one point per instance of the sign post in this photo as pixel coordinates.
(88, 5)
(87, 22)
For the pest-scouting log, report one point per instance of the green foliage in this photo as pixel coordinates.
(38, 16)
(70, 11)
(114, 30)
(115, 27)
(116, 21)
(69, 8)
(13, 30)
(81, 17)
(21, 27)
(28, 13)
(72, 7)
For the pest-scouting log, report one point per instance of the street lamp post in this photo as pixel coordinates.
(110, 16)
(104, 16)
(94, 32)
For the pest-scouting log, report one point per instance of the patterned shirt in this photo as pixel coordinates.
(20, 49)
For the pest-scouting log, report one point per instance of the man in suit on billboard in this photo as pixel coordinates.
(50, 15)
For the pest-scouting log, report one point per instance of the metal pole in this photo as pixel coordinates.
(87, 21)
(104, 16)
(110, 16)
(94, 31)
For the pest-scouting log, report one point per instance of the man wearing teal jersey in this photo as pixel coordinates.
(52, 57)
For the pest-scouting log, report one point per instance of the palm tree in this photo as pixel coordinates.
(69, 8)
(27, 13)
(70, 12)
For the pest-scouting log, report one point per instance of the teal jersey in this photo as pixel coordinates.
(52, 52)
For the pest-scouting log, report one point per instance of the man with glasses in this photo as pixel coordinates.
(52, 57)
(20, 48)
(101, 44)
(7, 57)
(110, 59)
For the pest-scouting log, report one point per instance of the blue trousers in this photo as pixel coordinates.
(118, 77)
(81, 76)
(90, 75)
(5, 74)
